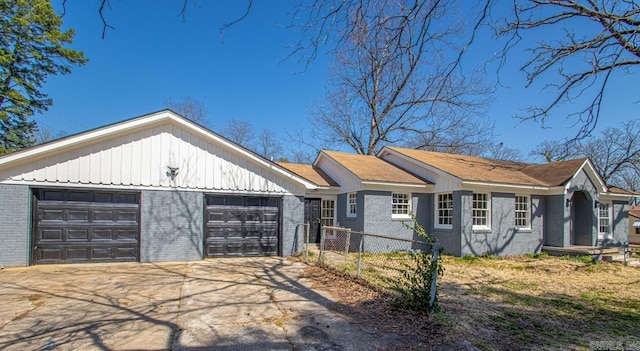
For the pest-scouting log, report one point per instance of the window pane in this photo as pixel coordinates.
(522, 211)
(480, 211)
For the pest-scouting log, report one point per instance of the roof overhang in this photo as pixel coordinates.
(616, 196)
(515, 188)
(367, 184)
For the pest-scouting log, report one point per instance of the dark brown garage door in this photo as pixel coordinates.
(85, 226)
(241, 226)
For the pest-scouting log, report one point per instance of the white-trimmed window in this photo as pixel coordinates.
(604, 220)
(522, 211)
(481, 211)
(444, 210)
(328, 212)
(400, 204)
(352, 204)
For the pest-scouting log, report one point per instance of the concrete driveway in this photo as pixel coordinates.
(222, 304)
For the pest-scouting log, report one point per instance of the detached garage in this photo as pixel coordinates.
(154, 188)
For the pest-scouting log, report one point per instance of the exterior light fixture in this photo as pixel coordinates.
(596, 204)
(172, 172)
(568, 203)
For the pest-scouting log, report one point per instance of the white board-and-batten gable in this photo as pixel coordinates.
(138, 153)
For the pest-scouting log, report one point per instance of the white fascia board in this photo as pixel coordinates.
(146, 121)
(515, 188)
(403, 186)
(438, 171)
(614, 196)
(142, 188)
(323, 191)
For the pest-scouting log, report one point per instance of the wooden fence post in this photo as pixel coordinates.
(435, 250)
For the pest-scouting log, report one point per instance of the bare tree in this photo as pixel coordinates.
(46, 133)
(615, 154)
(189, 108)
(268, 145)
(500, 151)
(578, 46)
(239, 131)
(395, 79)
(554, 151)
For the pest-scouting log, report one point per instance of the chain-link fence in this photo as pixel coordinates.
(380, 260)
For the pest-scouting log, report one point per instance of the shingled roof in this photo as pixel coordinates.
(310, 173)
(471, 168)
(372, 168)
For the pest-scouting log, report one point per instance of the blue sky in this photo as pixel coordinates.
(152, 55)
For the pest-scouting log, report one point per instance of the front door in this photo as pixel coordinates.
(581, 219)
(312, 213)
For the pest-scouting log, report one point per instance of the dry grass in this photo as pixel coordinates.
(520, 302)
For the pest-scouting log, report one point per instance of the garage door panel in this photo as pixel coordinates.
(127, 216)
(78, 235)
(269, 246)
(78, 215)
(126, 253)
(50, 254)
(52, 215)
(241, 226)
(50, 234)
(85, 226)
(126, 235)
(103, 215)
(101, 253)
(78, 253)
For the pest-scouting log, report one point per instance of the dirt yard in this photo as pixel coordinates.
(528, 303)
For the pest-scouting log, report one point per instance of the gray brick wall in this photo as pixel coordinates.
(538, 215)
(503, 238)
(292, 232)
(556, 221)
(355, 223)
(450, 239)
(377, 220)
(620, 222)
(171, 227)
(423, 210)
(15, 225)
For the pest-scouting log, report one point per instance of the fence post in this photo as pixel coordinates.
(306, 226)
(434, 280)
(360, 248)
(323, 231)
(346, 246)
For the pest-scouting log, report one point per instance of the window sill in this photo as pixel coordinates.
(400, 217)
(523, 230)
(442, 227)
(481, 230)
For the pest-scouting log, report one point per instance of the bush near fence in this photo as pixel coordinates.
(382, 261)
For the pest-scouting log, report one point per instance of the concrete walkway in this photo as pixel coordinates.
(222, 304)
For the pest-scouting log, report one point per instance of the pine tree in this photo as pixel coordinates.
(31, 49)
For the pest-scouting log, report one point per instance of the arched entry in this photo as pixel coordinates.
(581, 219)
